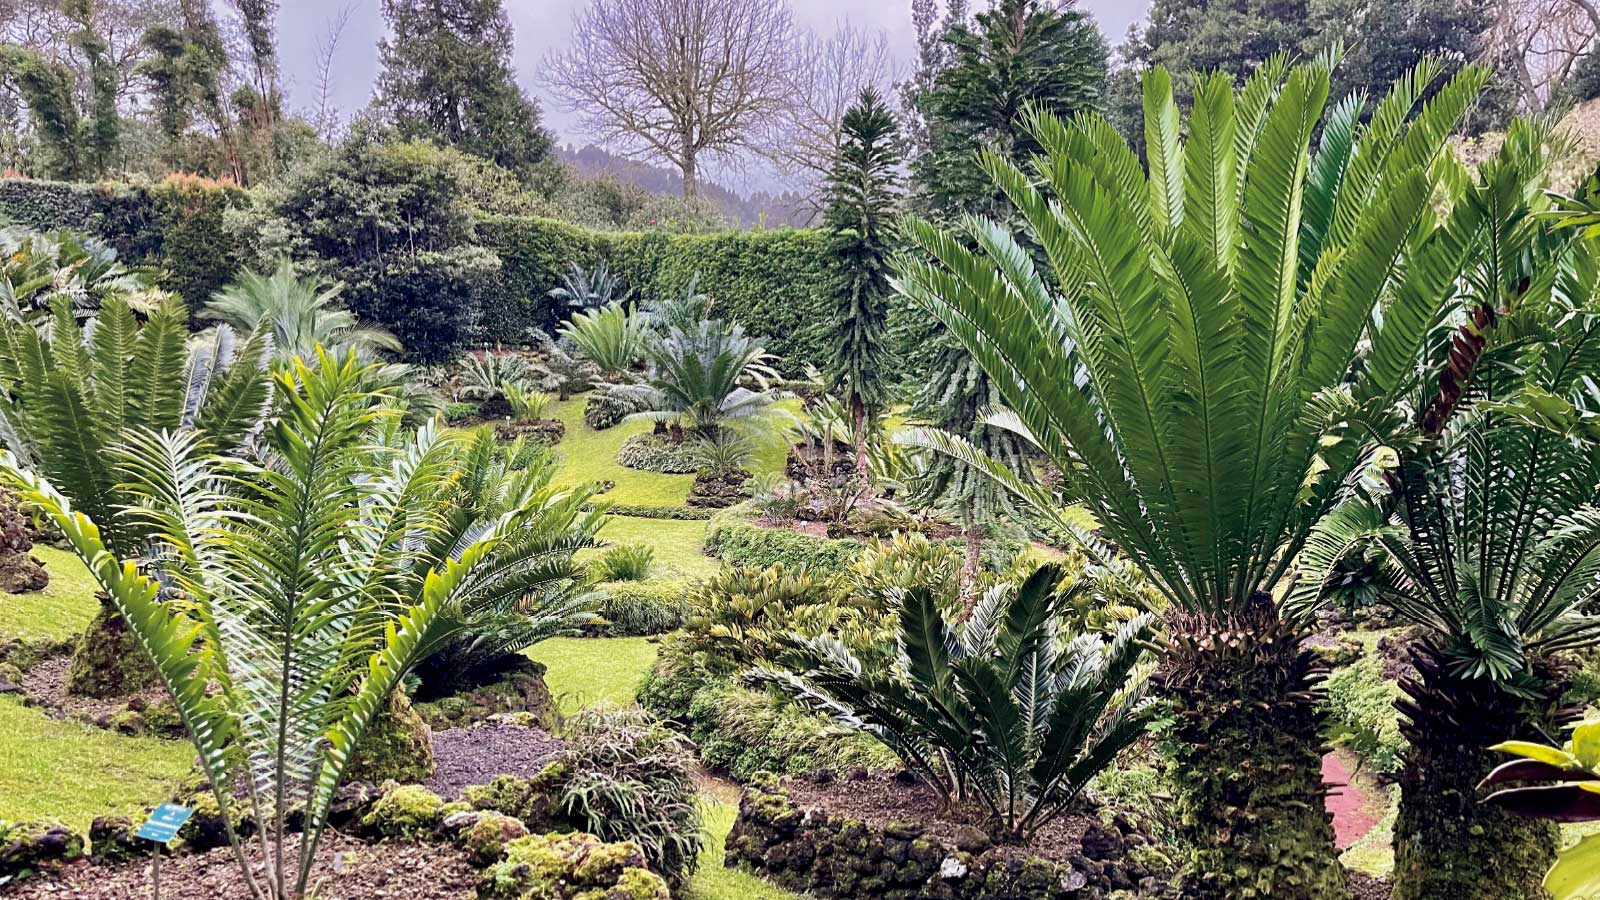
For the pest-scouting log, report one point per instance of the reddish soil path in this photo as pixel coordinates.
(1352, 809)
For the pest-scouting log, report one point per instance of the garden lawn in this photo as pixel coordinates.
(589, 456)
(62, 610)
(678, 544)
(592, 671)
(72, 772)
(712, 879)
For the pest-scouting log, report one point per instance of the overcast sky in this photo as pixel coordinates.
(544, 25)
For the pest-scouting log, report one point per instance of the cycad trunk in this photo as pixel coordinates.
(1247, 760)
(1446, 842)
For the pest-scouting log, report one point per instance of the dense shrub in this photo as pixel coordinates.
(175, 225)
(630, 778)
(1361, 712)
(683, 513)
(625, 562)
(735, 539)
(636, 608)
(392, 220)
(655, 453)
(601, 410)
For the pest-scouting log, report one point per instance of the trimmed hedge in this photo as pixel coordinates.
(640, 608)
(174, 225)
(736, 540)
(768, 281)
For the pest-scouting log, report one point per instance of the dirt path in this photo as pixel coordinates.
(1352, 809)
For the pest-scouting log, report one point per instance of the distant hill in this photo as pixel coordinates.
(786, 208)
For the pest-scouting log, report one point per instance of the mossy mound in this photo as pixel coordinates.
(407, 812)
(514, 685)
(108, 660)
(398, 746)
(28, 847)
(571, 867)
(533, 800)
(657, 453)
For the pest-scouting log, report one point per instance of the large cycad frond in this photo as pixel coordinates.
(1191, 314)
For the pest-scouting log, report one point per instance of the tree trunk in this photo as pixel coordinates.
(858, 412)
(691, 171)
(109, 660)
(973, 561)
(1446, 842)
(1246, 757)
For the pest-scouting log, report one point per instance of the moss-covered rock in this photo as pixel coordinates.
(28, 847)
(108, 660)
(518, 686)
(571, 867)
(407, 812)
(20, 571)
(114, 839)
(536, 800)
(398, 746)
(837, 857)
(486, 838)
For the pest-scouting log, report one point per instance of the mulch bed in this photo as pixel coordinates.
(345, 868)
(881, 799)
(46, 685)
(1365, 887)
(467, 756)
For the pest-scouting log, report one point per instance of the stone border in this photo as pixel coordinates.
(832, 856)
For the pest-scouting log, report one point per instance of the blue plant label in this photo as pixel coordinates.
(164, 822)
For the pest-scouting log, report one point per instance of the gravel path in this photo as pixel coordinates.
(468, 756)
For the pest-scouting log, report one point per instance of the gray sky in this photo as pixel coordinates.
(544, 25)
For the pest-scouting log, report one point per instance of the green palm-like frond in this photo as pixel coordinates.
(1171, 359)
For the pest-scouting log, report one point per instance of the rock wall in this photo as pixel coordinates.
(832, 856)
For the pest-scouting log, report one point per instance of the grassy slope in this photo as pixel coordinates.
(589, 671)
(61, 610)
(72, 772)
(589, 456)
(677, 544)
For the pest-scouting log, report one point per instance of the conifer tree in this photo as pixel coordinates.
(863, 189)
(447, 76)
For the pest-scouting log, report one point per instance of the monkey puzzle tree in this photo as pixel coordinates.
(862, 191)
(1190, 364)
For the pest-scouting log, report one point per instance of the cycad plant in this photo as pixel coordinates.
(611, 337)
(1488, 527)
(1003, 710)
(1190, 364)
(299, 313)
(705, 378)
(38, 267)
(585, 289)
(299, 592)
(70, 393)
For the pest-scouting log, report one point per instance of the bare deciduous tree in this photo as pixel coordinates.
(827, 76)
(327, 118)
(1538, 43)
(678, 80)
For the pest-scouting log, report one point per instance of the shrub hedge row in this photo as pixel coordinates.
(769, 281)
(174, 224)
(734, 539)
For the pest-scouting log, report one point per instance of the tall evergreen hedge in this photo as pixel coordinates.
(769, 281)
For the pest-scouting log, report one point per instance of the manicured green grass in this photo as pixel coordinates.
(61, 610)
(712, 881)
(589, 456)
(677, 544)
(589, 671)
(71, 772)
